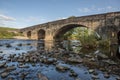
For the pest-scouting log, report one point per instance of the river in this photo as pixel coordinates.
(48, 60)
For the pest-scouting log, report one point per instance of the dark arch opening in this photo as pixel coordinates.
(29, 34)
(64, 29)
(41, 34)
(118, 37)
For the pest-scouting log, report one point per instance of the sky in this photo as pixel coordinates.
(25, 13)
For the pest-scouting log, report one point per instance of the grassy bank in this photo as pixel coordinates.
(7, 33)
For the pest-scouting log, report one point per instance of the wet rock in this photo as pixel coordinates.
(1, 51)
(23, 66)
(27, 60)
(88, 56)
(1, 45)
(106, 75)
(110, 62)
(102, 56)
(23, 75)
(4, 74)
(12, 55)
(75, 60)
(42, 77)
(91, 70)
(10, 78)
(95, 77)
(16, 73)
(28, 44)
(50, 60)
(73, 73)
(19, 44)
(62, 68)
(1, 57)
(17, 48)
(8, 45)
(20, 60)
(117, 78)
(10, 68)
(92, 59)
(2, 64)
(78, 79)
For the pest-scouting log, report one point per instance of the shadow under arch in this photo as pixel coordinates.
(58, 35)
(118, 37)
(29, 34)
(41, 34)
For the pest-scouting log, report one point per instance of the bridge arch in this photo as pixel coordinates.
(41, 34)
(60, 32)
(29, 34)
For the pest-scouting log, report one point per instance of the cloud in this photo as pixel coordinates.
(33, 19)
(6, 18)
(84, 10)
(59, 18)
(93, 8)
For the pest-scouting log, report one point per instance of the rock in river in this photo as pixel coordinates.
(49, 60)
(2, 64)
(106, 75)
(62, 67)
(4, 74)
(73, 73)
(75, 60)
(10, 68)
(42, 77)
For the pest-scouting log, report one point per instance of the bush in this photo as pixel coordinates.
(105, 43)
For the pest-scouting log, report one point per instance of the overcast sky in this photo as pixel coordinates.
(24, 13)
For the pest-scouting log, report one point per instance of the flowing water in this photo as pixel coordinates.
(96, 64)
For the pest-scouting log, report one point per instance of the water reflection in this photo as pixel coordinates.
(118, 52)
(112, 52)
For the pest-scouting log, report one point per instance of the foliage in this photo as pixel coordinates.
(85, 35)
(6, 28)
(105, 43)
(71, 17)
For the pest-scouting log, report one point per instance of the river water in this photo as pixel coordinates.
(83, 63)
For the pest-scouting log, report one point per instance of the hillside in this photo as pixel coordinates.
(8, 33)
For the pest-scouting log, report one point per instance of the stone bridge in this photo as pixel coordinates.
(106, 24)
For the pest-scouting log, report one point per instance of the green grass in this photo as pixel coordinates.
(6, 28)
(6, 34)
